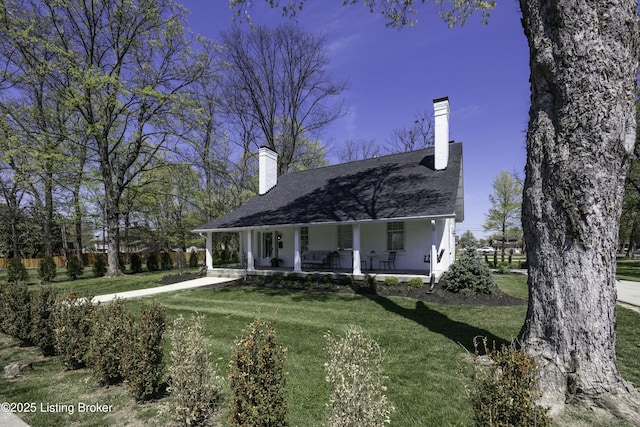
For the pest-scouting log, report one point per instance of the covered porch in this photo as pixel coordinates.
(405, 249)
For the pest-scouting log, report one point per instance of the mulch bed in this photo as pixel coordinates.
(437, 295)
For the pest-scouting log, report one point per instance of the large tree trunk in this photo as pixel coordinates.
(581, 135)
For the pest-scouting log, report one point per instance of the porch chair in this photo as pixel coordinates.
(390, 262)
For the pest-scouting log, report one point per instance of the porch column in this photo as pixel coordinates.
(241, 251)
(434, 250)
(356, 249)
(297, 261)
(250, 264)
(208, 257)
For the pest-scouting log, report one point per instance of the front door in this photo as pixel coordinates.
(266, 248)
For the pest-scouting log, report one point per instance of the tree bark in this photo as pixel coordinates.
(582, 129)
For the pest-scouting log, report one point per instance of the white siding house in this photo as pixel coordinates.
(404, 205)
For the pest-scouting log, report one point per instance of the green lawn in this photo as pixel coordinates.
(426, 346)
(628, 270)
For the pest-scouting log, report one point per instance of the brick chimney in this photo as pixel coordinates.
(267, 169)
(441, 132)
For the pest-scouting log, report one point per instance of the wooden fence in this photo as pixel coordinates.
(88, 259)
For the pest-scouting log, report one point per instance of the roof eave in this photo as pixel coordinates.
(361, 221)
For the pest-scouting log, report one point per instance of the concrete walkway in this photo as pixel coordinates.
(189, 284)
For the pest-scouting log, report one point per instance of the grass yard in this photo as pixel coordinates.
(426, 352)
(628, 270)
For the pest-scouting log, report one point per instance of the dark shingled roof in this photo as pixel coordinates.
(400, 185)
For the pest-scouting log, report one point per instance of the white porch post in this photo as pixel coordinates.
(356, 250)
(208, 257)
(434, 251)
(241, 251)
(297, 261)
(250, 264)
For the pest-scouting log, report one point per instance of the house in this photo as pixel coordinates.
(355, 215)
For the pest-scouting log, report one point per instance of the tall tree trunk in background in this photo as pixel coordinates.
(582, 129)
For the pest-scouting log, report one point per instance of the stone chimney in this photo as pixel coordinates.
(267, 169)
(441, 132)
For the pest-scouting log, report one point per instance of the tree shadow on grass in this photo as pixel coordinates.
(439, 323)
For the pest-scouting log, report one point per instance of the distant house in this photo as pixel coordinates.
(357, 216)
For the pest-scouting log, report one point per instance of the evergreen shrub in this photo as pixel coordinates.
(43, 303)
(47, 269)
(165, 261)
(391, 282)
(16, 271)
(356, 381)
(415, 283)
(347, 281)
(15, 303)
(74, 268)
(111, 338)
(136, 263)
(99, 266)
(152, 262)
(193, 259)
(469, 274)
(195, 387)
(72, 326)
(257, 378)
(505, 393)
(143, 362)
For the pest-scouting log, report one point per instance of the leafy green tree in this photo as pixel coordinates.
(468, 239)
(126, 66)
(506, 202)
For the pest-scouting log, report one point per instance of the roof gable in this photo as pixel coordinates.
(401, 185)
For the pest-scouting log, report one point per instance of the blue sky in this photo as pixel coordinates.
(394, 75)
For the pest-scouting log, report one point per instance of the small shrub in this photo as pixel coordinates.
(356, 381)
(152, 262)
(415, 283)
(111, 338)
(165, 261)
(347, 281)
(136, 263)
(43, 303)
(72, 326)
(47, 269)
(122, 263)
(143, 363)
(504, 394)
(257, 378)
(291, 277)
(469, 273)
(99, 266)
(193, 259)
(16, 311)
(326, 279)
(391, 282)
(16, 272)
(370, 283)
(194, 385)
(524, 264)
(504, 268)
(74, 268)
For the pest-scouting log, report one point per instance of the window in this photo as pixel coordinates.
(304, 239)
(345, 237)
(395, 236)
